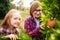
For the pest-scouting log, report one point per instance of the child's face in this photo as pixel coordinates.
(37, 13)
(15, 20)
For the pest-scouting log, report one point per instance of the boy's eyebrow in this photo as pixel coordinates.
(38, 10)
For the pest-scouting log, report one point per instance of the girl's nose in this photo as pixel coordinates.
(18, 21)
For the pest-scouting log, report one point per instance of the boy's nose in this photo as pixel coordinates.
(38, 12)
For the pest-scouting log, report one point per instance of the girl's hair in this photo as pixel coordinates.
(6, 22)
(34, 5)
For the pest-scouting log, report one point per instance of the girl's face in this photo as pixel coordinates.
(37, 13)
(15, 20)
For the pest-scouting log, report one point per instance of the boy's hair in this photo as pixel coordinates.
(34, 5)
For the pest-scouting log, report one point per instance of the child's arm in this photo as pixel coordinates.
(11, 36)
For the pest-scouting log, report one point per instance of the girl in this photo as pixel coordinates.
(10, 24)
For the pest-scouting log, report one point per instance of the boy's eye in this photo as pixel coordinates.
(37, 10)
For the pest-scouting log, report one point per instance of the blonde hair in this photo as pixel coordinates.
(34, 5)
(6, 21)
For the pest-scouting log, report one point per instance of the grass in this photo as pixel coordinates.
(0, 20)
(24, 15)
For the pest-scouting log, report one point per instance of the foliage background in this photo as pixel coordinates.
(51, 8)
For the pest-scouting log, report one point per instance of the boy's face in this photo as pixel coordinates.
(37, 13)
(15, 20)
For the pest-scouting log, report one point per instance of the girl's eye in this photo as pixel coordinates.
(19, 18)
(15, 18)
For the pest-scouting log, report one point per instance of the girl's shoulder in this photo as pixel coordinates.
(1, 27)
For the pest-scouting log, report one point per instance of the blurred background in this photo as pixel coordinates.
(51, 9)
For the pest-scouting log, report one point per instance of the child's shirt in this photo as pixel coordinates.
(8, 31)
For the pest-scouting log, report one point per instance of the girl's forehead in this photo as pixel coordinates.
(16, 14)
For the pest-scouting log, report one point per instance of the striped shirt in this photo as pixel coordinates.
(7, 31)
(30, 26)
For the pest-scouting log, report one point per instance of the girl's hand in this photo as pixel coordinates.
(11, 36)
